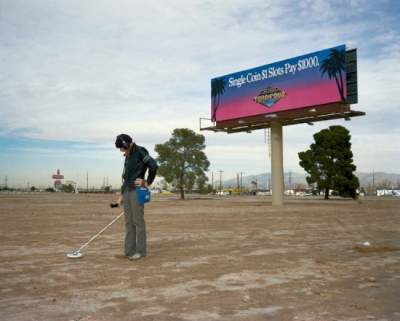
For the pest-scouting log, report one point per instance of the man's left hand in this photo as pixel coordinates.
(141, 182)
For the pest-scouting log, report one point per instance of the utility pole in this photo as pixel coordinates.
(290, 182)
(267, 140)
(237, 181)
(373, 181)
(87, 181)
(6, 182)
(373, 177)
(212, 180)
(220, 180)
(241, 182)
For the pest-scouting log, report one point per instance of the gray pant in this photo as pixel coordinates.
(135, 238)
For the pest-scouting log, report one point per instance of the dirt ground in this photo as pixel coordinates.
(208, 259)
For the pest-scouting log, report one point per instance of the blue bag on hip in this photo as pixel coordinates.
(143, 195)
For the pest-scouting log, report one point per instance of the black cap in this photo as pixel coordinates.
(123, 141)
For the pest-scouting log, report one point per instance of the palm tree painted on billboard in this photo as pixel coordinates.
(217, 90)
(333, 67)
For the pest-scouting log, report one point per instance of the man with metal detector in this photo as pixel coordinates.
(137, 162)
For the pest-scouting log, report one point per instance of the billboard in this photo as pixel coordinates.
(314, 79)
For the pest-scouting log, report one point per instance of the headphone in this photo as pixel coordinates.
(123, 141)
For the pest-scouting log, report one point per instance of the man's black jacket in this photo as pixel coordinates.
(137, 161)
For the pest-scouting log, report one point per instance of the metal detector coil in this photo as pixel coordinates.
(74, 255)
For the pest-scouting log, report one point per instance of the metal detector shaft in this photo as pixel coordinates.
(102, 230)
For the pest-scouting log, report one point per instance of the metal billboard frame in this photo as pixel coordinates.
(276, 121)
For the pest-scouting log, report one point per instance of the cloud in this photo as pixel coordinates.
(86, 71)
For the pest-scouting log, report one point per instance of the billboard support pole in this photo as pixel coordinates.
(277, 163)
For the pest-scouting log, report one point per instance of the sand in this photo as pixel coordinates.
(210, 258)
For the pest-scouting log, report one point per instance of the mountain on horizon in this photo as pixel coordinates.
(264, 180)
(293, 178)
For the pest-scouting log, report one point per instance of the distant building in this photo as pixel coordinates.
(388, 192)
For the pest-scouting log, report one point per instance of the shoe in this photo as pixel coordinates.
(136, 256)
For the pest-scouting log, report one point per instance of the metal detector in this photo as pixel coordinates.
(78, 254)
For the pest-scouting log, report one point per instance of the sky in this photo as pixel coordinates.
(74, 74)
